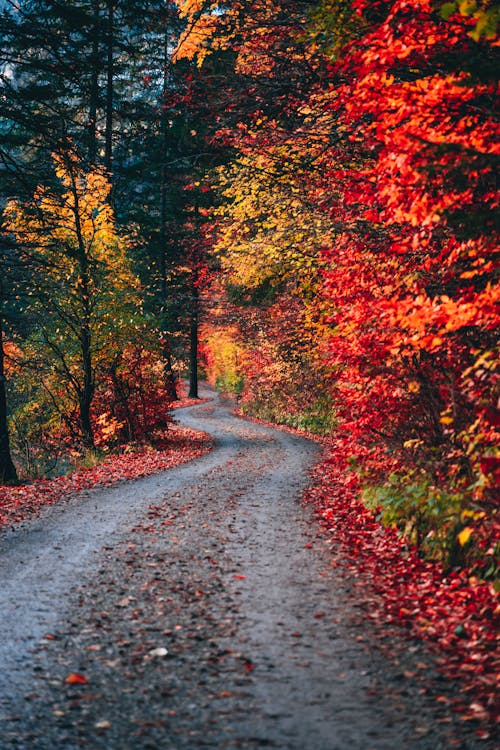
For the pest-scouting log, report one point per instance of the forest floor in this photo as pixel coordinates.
(199, 608)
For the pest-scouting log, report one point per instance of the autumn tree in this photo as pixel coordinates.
(83, 291)
(410, 280)
(269, 233)
(85, 79)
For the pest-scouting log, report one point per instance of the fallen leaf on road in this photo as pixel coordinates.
(475, 711)
(76, 679)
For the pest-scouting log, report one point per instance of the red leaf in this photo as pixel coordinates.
(76, 679)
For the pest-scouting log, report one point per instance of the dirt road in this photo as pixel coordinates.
(200, 610)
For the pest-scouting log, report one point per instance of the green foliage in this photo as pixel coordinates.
(443, 524)
(333, 23)
(318, 418)
(486, 14)
(231, 383)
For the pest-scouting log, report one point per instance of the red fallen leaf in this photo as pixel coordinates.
(50, 637)
(239, 577)
(408, 591)
(296, 634)
(475, 711)
(248, 665)
(76, 679)
(319, 615)
(308, 546)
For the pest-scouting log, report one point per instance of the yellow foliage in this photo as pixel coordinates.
(215, 25)
(81, 273)
(73, 226)
(270, 231)
(464, 536)
(224, 355)
(446, 419)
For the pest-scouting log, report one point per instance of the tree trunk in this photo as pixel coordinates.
(94, 89)
(170, 379)
(169, 375)
(88, 387)
(108, 148)
(168, 371)
(87, 392)
(8, 474)
(193, 345)
(121, 397)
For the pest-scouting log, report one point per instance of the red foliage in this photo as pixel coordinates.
(410, 281)
(132, 401)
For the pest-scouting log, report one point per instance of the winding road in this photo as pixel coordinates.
(200, 609)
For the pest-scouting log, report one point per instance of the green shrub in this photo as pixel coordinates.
(440, 523)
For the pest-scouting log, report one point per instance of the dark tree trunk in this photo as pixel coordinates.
(193, 345)
(8, 474)
(170, 379)
(94, 89)
(87, 392)
(168, 370)
(87, 389)
(121, 398)
(108, 149)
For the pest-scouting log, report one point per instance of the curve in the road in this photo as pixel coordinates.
(201, 605)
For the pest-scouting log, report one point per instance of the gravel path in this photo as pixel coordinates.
(202, 609)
